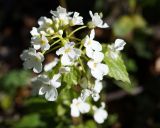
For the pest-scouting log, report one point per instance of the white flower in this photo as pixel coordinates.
(95, 55)
(32, 59)
(45, 26)
(93, 47)
(49, 87)
(34, 32)
(40, 42)
(44, 22)
(94, 92)
(55, 82)
(69, 53)
(62, 15)
(49, 66)
(97, 21)
(100, 114)
(98, 70)
(89, 43)
(78, 106)
(76, 20)
(116, 47)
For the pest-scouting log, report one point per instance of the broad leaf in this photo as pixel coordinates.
(72, 77)
(14, 79)
(132, 22)
(123, 26)
(117, 70)
(30, 121)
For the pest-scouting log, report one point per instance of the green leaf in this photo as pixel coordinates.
(139, 21)
(60, 110)
(30, 121)
(90, 124)
(127, 24)
(72, 77)
(39, 105)
(15, 79)
(117, 70)
(5, 101)
(123, 26)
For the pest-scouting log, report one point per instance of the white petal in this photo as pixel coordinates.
(51, 94)
(91, 14)
(65, 60)
(105, 25)
(98, 56)
(34, 32)
(74, 54)
(96, 46)
(70, 44)
(89, 52)
(41, 57)
(45, 47)
(27, 64)
(100, 115)
(91, 64)
(50, 65)
(97, 74)
(86, 41)
(96, 97)
(74, 111)
(26, 54)
(44, 39)
(84, 107)
(98, 86)
(92, 34)
(43, 90)
(54, 81)
(60, 51)
(32, 50)
(36, 46)
(119, 44)
(37, 67)
(77, 52)
(103, 68)
(43, 78)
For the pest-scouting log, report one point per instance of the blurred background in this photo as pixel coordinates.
(135, 21)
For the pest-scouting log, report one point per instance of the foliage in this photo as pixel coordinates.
(137, 22)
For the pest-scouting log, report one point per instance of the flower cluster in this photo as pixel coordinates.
(71, 54)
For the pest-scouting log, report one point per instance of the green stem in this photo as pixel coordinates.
(81, 46)
(74, 38)
(54, 42)
(82, 27)
(53, 49)
(54, 37)
(81, 65)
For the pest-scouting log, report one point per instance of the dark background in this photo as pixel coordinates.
(141, 56)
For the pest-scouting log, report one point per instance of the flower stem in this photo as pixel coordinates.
(45, 52)
(74, 38)
(55, 42)
(82, 27)
(81, 65)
